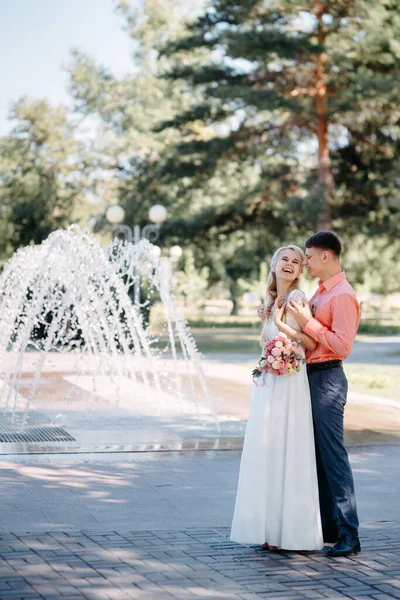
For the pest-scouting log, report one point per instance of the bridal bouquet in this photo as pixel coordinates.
(281, 356)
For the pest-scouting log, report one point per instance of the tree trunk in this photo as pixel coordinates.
(235, 305)
(325, 175)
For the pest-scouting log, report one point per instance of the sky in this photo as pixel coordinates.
(36, 37)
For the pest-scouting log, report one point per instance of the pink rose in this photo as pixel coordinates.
(276, 352)
(278, 344)
(275, 365)
(285, 351)
(271, 359)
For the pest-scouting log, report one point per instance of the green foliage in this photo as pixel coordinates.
(372, 264)
(259, 87)
(256, 286)
(42, 169)
(377, 328)
(220, 120)
(127, 109)
(190, 283)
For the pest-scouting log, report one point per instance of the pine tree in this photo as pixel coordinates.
(304, 92)
(254, 125)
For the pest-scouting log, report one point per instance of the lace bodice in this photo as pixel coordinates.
(270, 329)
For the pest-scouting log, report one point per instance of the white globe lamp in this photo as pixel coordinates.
(115, 214)
(157, 214)
(176, 252)
(156, 251)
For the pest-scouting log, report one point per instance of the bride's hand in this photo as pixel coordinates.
(278, 309)
(301, 312)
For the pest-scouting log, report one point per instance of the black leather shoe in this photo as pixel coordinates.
(331, 536)
(346, 546)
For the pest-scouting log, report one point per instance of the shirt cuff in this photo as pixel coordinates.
(313, 327)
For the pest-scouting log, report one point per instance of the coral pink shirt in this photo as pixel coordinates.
(336, 319)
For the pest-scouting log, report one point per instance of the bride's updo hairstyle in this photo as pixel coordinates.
(271, 292)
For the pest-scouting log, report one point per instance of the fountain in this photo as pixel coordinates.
(66, 309)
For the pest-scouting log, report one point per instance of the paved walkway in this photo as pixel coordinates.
(154, 526)
(191, 564)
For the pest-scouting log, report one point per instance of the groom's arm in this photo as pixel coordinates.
(341, 335)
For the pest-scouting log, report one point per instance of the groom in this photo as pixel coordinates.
(333, 323)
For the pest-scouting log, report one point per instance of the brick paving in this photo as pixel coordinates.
(191, 564)
(154, 526)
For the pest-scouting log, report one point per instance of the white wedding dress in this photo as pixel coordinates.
(277, 497)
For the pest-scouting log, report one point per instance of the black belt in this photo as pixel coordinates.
(322, 366)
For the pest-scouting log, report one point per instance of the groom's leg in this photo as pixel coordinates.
(329, 394)
(327, 501)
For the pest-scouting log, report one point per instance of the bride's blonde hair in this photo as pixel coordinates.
(271, 290)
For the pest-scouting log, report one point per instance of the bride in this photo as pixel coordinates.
(277, 498)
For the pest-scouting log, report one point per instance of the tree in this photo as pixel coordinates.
(271, 119)
(281, 79)
(190, 283)
(127, 109)
(373, 264)
(42, 172)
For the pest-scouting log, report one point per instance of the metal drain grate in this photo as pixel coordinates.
(37, 434)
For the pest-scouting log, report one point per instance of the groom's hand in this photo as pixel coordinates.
(261, 312)
(301, 312)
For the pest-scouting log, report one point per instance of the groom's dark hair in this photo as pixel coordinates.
(326, 240)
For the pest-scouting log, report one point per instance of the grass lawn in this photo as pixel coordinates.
(238, 340)
(374, 379)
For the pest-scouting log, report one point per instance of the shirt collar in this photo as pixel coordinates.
(332, 281)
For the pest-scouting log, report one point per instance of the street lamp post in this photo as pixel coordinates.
(115, 215)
